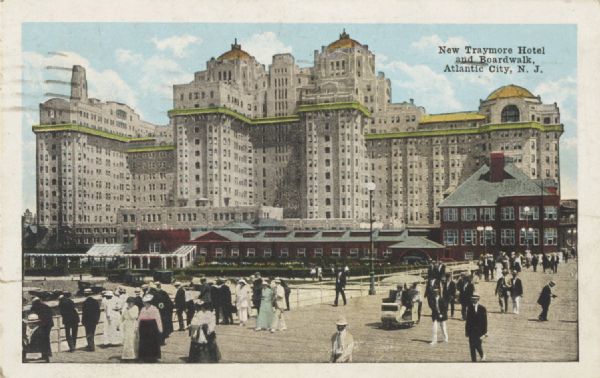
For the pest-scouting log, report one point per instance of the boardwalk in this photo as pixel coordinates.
(511, 337)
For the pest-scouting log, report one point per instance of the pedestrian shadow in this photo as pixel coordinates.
(421, 341)
(568, 321)
(376, 325)
(534, 320)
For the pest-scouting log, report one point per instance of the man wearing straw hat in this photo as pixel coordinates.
(342, 343)
(33, 340)
(476, 328)
(545, 299)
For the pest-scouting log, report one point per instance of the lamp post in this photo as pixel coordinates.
(371, 188)
(526, 209)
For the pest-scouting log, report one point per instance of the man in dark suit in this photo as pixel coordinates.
(449, 292)
(545, 299)
(476, 327)
(502, 291)
(70, 319)
(257, 292)
(431, 271)
(440, 271)
(180, 304)
(439, 315)
(431, 285)
(545, 262)
(516, 292)
(224, 295)
(34, 348)
(90, 316)
(534, 262)
(340, 284)
(465, 289)
(45, 314)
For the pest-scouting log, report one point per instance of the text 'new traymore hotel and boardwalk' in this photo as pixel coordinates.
(247, 142)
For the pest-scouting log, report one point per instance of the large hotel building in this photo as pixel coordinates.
(298, 144)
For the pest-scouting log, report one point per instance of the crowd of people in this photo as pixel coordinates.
(142, 323)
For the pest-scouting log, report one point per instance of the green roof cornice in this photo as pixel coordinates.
(476, 130)
(271, 120)
(87, 130)
(152, 149)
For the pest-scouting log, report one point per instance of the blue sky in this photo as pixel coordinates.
(136, 63)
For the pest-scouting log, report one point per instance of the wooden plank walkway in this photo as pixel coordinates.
(511, 337)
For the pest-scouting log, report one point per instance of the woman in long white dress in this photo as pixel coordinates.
(242, 301)
(129, 327)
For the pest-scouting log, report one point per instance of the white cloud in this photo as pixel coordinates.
(177, 44)
(429, 88)
(105, 85)
(264, 45)
(127, 56)
(160, 73)
(564, 92)
(568, 143)
(433, 41)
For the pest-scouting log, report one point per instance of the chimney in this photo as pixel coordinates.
(78, 84)
(496, 166)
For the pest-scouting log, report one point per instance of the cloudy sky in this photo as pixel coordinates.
(137, 63)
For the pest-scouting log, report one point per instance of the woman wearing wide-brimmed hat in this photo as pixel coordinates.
(203, 339)
(150, 328)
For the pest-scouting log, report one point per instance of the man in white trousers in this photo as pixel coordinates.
(278, 323)
(439, 315)
(516, 292)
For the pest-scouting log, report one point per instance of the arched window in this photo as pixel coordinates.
(510, 113)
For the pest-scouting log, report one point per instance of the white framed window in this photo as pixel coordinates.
(336, 252)
(468, 255)
(203, 252)
(532, 214)
(250, 252)
(490, 237)
(508, 213)
(507, 236)
(219, 252)
(267, 252)
(550, 236)
(469, 214)
(450, 237)
(550, 213)
(354, 253)
(154, 247)
(387, 253)
(469, 237)
(284, 252)
(450, 214)
(488, 213)
(318, 252)
(531, 237)
(301, 252)
(235, 252)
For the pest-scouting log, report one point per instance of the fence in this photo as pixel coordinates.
(318, 292)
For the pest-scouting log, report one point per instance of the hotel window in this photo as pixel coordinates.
(219, 252)
(508, 213)
(532, 214)
(451, 237)
(250, 252)
(336, 252)
(154, 247)
(267, 252)
(301, 252)
(488, 213)
(354, 253)
(284, 252)
(235, 252)
(469, 214)
(318, 252)
(550, 236)
(490, 237)
(469, 237)
(507, 236)
(529, 238)
(450, 215)
(550, 213)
